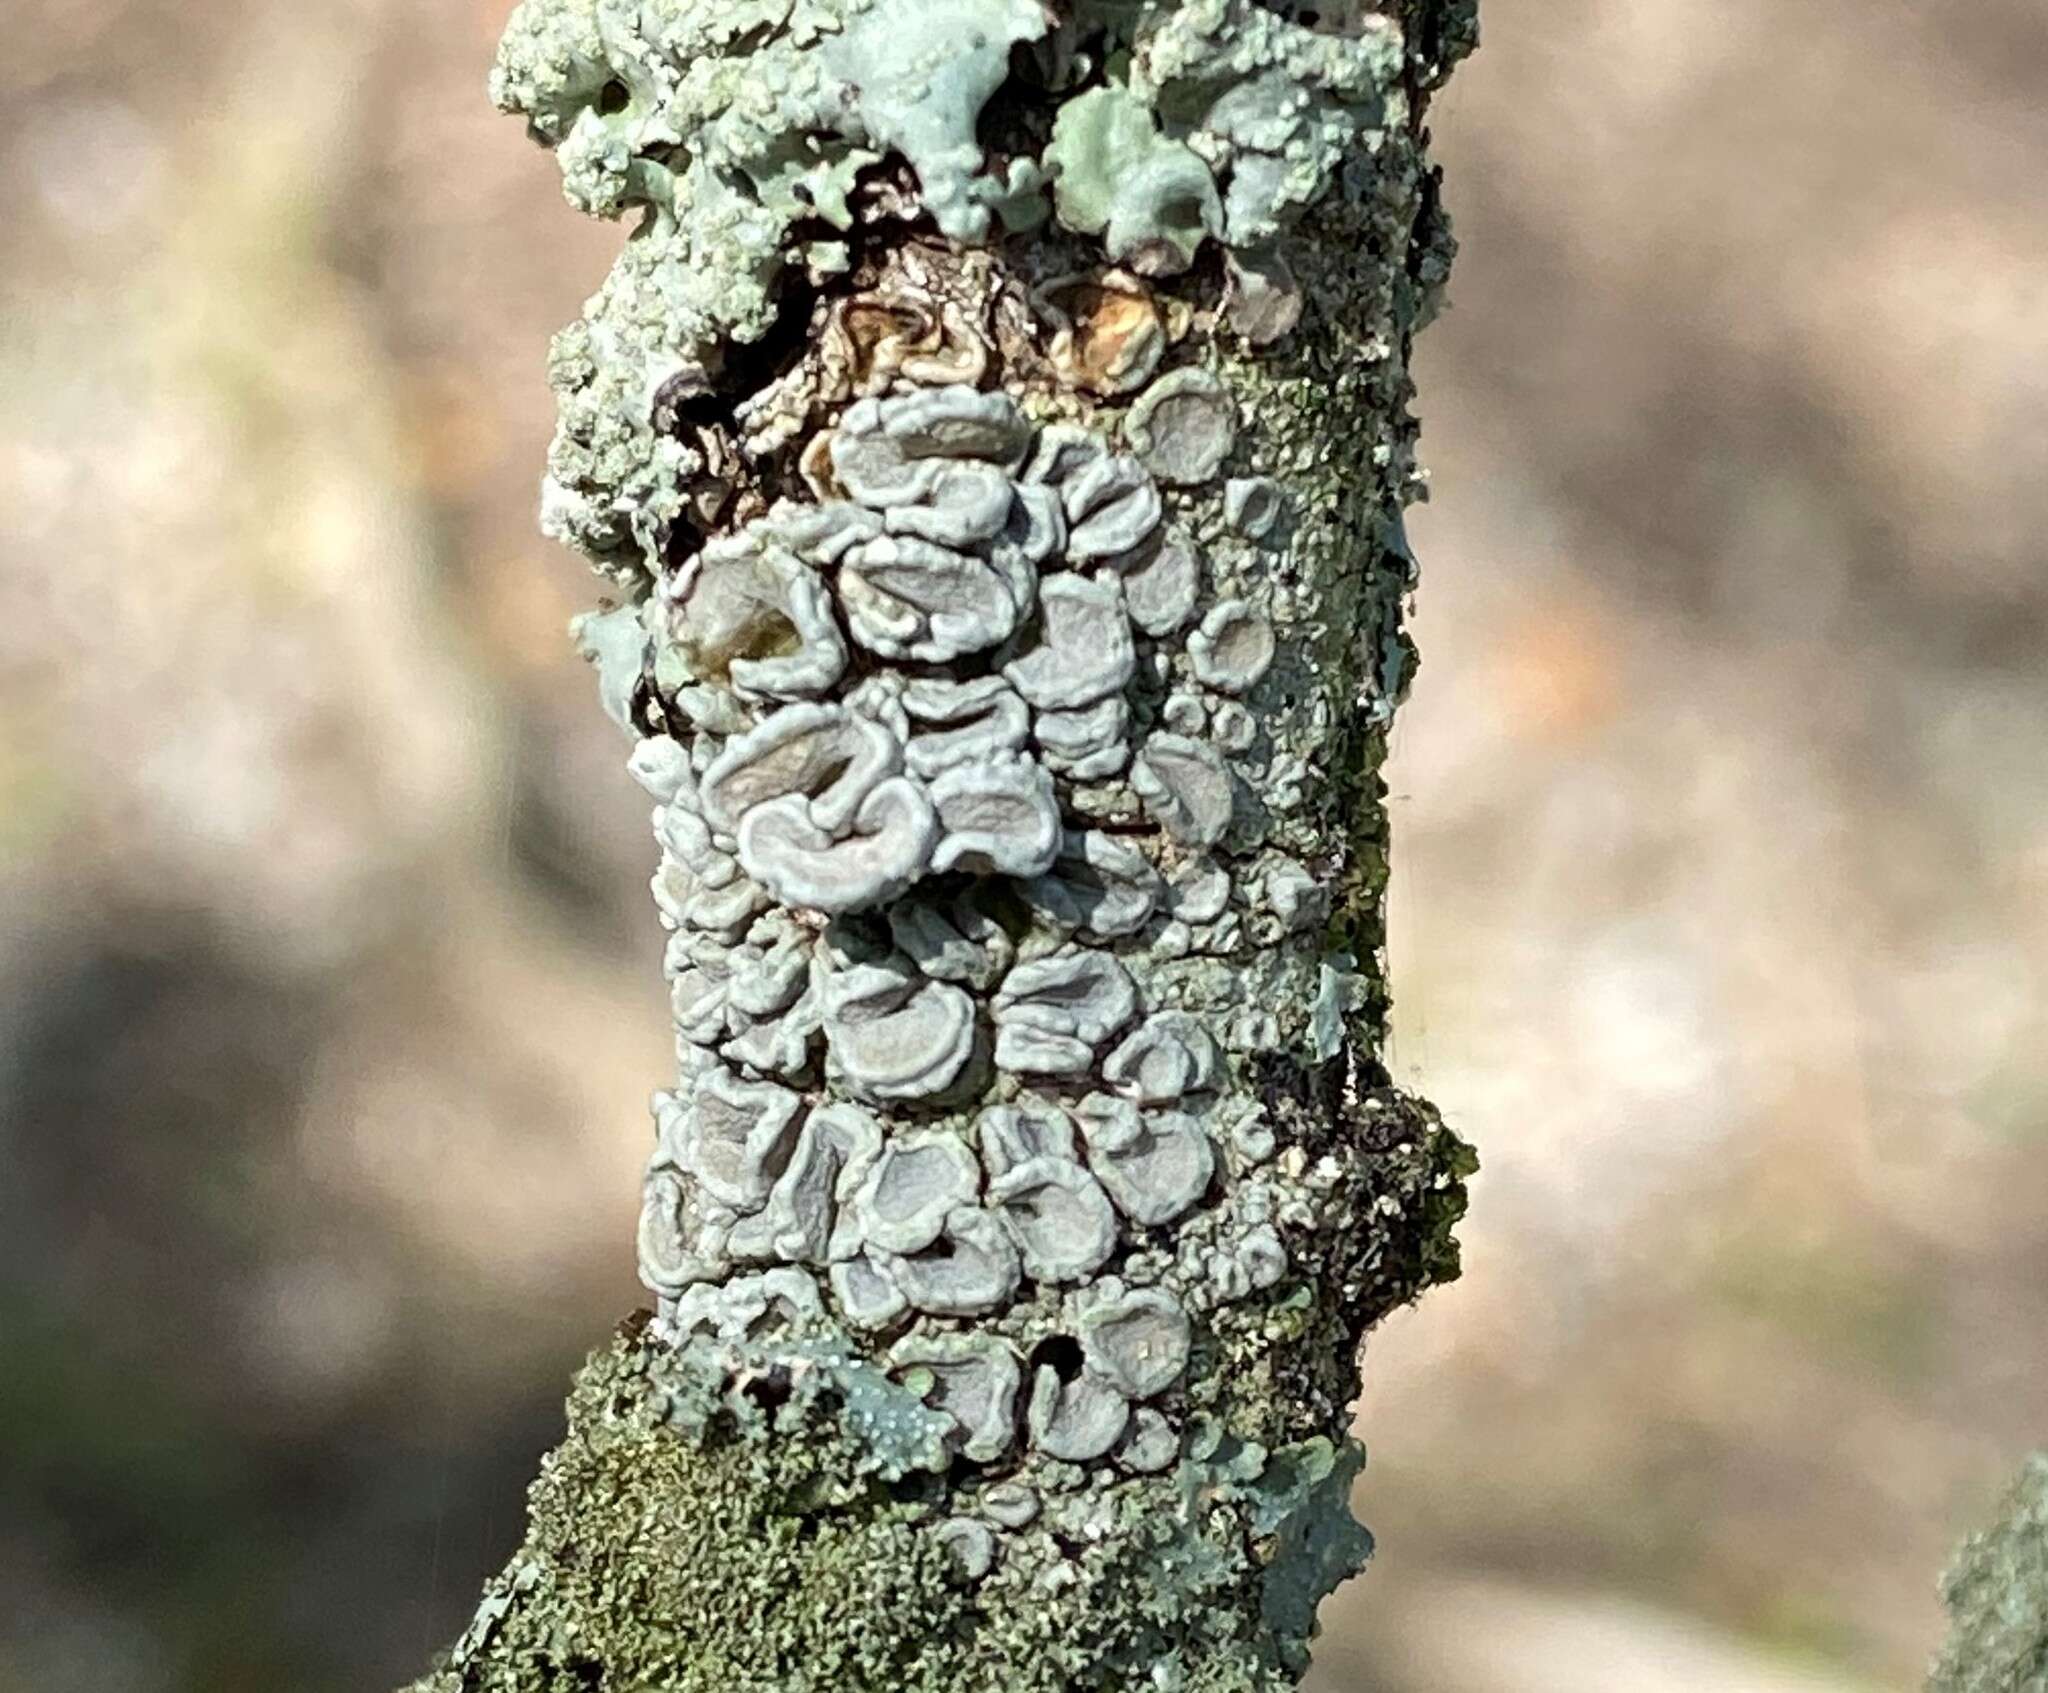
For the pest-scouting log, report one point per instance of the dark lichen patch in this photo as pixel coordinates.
(1282, 1367)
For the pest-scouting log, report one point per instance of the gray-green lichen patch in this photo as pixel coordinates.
(739, 129)
(1276, 108)
(920, 72)
(1997, 1595)
(1011, 637)
(717, 1522)
(744, 134)
(896, 1111)
(1149, 197)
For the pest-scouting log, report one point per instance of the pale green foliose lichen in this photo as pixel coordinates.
(741, 131)
(1118, 177)
(1275, 109)
(614, 643)
(919, 73)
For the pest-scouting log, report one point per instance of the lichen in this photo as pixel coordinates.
(1997, 1594)
(744, 133)
(920, 72)
(1150, 198)
(1010, 629)
(721, 1519)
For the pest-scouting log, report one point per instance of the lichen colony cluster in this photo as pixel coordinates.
(995, 437)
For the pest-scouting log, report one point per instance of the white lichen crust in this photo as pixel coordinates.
(1004, 488)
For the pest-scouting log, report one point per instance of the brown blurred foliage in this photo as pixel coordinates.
(328, 988)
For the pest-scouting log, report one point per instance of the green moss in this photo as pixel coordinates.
(714, 1521)
(692, 1533)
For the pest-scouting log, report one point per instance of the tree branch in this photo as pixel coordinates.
(995, 433)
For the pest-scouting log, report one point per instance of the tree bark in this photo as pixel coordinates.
(1997, 1593)
(996, 437)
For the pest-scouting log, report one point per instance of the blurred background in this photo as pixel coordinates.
(329, 993)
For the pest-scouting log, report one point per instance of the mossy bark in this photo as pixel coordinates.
(1051, 1441)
